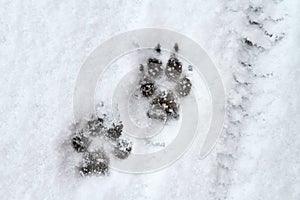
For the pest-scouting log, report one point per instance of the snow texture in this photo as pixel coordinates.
(255, 46)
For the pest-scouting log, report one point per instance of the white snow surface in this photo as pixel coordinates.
(43, 44)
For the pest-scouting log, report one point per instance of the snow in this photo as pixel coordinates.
(43, 44)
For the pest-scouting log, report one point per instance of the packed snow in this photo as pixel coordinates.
(253, 43)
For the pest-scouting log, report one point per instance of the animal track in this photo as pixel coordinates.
(164, 103)
(161, 84)
(96, 161)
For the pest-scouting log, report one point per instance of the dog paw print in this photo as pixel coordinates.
(164, 85)
(95, 161)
